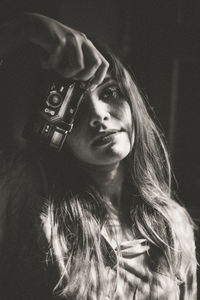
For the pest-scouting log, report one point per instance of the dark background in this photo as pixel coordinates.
(160, 40)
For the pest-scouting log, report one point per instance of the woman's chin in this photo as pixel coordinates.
(111, 155)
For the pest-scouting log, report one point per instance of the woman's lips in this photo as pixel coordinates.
(105, 138)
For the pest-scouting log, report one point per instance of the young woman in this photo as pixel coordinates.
(99, 219)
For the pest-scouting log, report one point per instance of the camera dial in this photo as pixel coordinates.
(54, 99)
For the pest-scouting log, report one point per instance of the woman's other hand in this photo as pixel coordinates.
(134, 269)
(131, 259)
(68, 51)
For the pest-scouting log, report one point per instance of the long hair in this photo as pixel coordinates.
(75, 211)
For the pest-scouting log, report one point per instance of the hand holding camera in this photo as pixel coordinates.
(71, 55)
(68, 51)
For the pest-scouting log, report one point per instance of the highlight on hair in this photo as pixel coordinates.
(74, 215)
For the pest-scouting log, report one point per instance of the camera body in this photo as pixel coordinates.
(54, 119)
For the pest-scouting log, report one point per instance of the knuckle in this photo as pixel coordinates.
(106, 64)
(71, 35)
(90, 44)
(57, 40)
(63, 41)
(97, 62)
(83, 35)
(75, 37)
(72, 38)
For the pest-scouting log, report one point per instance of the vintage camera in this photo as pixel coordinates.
(54, 120)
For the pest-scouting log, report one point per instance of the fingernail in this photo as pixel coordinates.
(144, 243)
(138, 247)
(141, 241)
(92, 87)
(134, 242)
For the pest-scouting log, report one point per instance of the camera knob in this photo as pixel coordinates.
(54, 99)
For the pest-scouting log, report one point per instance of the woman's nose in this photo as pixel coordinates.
(99, 120)
(99, 113)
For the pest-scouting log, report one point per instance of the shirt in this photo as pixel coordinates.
(159, 285)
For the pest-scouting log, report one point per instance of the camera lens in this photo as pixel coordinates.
(54, 100)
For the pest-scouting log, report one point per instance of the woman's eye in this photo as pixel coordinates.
(110, 93)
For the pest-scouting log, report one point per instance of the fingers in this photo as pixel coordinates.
(136, 280)
(95, 66)
(132, 249)
(134, 268)
(53, 60)
(92, 62)
(69, 52)
(73, 59)
(132, 243)
(78, 59)
(85, 63)
(99, 75)
(131, 258)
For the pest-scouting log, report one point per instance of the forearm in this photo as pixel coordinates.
(11, 36)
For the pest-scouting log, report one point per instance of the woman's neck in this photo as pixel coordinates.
(108, 179)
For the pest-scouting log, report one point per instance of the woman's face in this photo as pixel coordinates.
(104, 133)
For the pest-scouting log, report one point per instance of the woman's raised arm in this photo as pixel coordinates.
(67, 51)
